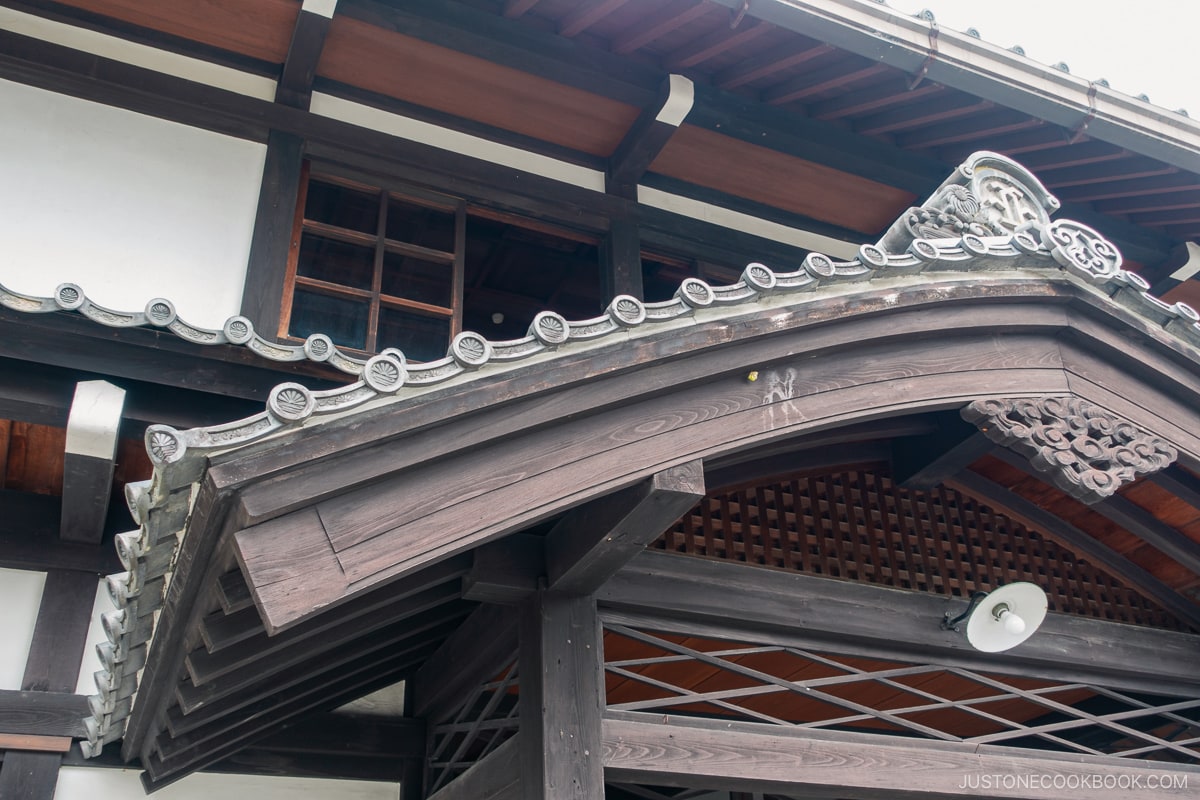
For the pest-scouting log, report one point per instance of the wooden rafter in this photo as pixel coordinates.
(767, 63)
(671, 16)
(92, 429)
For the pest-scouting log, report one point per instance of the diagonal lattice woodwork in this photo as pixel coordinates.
(651, 672)
(858, 525)
(486, 718)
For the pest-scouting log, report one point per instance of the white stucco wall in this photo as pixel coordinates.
(127, 206)
(20, 597)
(97, 783)
(91, 663)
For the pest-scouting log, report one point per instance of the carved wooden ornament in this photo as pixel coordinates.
(1087, 451)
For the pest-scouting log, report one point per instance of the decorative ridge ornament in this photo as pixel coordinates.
(987, 195)
(1087, 451)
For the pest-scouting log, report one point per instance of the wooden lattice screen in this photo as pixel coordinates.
(860, 526)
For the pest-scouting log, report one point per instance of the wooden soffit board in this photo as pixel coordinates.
(257, 28)
(766, 176)
(392, 64)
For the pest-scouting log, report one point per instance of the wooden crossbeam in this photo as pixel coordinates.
(718, 754)
(679, 594)
(595, 540)
(924, 462)
(43, 713)
(92, 428)
(29, 538)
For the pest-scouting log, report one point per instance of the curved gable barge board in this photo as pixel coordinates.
(477, 490)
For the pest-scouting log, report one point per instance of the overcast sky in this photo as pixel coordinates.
(1143, 47)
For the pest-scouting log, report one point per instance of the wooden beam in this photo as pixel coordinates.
(494, 777)
(506, 571)
(648, 135)
(1178, 482)
(1144, 525)
(562, 698)
(89, 463)
(924, 462)
(300, 65)
(61, 631)
(479, 649)
(43, 713)
(29, 538)
(668, 17)
(699, 597)
(595, 540)
(767, 63)
(585, 15)
(29, 775)
(677, 751)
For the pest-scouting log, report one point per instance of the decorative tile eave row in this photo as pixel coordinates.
(160, 313)
(967, 234)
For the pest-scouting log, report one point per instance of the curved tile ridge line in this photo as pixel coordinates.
(160, 313)
(1065, 244)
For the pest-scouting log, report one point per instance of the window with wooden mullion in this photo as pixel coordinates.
(373, 269)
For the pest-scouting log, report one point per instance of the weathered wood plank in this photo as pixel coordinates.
(595, 540)
(506, 571)
(676, 751)
(699, 597)
(479, 649)
(562, 698)
(1077, 541)
(43, 713)
(29, 775)
(495, 777)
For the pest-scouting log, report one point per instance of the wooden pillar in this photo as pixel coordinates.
(59, 638)
(562, 698)
(621, 256)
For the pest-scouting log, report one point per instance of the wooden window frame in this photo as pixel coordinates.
(376, 299)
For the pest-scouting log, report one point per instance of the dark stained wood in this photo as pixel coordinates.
(479, 649)
(713, 44)
(29, 775)
(925, 462)
(767, 63)
(669, 17)
(273, 227)
(595, 540)
(641, 144)
(43, 713)
(506, 571)
(699, 597)
(1081, 543)
(1149, 529)
(677, 751)
(495, 777)
(60, 633)
(621, 259)
(586, 15)
(233, 592)
(29, 539)
(300, 65)
(562, 698)
(1179, 483)
(87, 487)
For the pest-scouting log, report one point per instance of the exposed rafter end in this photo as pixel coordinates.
(90, 459)
(649, 135)
(1184, 264)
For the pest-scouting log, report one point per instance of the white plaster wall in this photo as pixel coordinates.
(20, 597)
(127, 206)
(91, 663)
(98, 783)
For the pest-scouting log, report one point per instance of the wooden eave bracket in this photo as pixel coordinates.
(304, 51)
(648, 136)
(88, 465)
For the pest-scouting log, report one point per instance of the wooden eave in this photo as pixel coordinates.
(320, 519)
(793, 90)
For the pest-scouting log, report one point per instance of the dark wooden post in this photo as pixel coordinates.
(621, 254)
(562, 698)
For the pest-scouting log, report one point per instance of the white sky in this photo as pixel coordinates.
(1143, 47)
